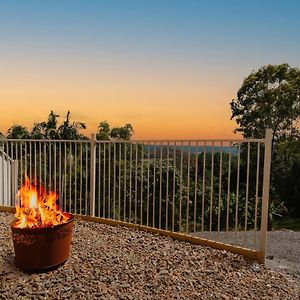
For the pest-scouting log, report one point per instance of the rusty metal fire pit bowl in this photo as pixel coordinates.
(39, 249)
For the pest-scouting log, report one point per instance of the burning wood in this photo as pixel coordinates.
(35, 208)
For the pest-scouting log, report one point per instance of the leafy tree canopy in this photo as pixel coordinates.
(18, 132)
(268, 98)
(70, 130)
(122, 133)
(103, 131)
(50, 129)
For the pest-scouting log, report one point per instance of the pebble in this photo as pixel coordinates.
(120, 263)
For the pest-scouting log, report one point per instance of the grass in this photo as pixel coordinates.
(287, 223)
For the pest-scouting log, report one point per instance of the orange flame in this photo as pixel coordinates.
(36, 208)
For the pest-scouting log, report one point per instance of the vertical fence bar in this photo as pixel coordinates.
(59, 180)
(125, 175)
(30, 162)
(247, 194)
(228, 193)
(148, 184)
(14, 183)
(114, 182)
(92, 174)
(40, 171)
(45, 165)
(203, 186)
(65, 177)
(17, 173)
(237, 189)
(70, 177)
(154, 167)
(220, 188)
(265, 196)
(75, 175)
(119, 175)
(25, 159)
(109, 163)
(3, 171)
(104, 175)
(180, 188)
(8, 175)
(21, 162)
(55, 167)
(99, 180)
(50, 167)
(135, 183)
(256, 194)
(35, 174)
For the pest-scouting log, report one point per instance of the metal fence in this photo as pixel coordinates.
(213, 189)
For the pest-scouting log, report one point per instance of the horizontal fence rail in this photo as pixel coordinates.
(211, 189)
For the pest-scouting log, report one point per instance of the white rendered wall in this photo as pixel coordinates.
(5, 181)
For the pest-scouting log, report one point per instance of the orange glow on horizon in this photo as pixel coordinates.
(164, 106)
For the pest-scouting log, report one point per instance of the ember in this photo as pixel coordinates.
(35, 208)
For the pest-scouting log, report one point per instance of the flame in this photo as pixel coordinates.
(36, 208)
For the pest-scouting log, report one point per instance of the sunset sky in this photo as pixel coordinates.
(170, 68)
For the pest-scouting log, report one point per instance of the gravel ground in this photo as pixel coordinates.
(120, 263)
(283, 247)
(283, 252)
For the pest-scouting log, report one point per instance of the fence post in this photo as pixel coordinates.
(265, 196)
(92, 175)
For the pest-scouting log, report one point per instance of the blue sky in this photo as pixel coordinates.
(169, 51)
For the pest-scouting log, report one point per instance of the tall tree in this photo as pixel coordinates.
(268, 98)
(70, 130)
(47, 130)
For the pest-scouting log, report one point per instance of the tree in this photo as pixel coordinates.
(70, 131)
(18, 132)
(121, 133)
(286, 174)
(47, 130)
(103, 131)
(268, 98)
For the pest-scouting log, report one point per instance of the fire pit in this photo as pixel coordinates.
(41, 233)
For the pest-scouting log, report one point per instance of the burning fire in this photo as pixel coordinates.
(36, 208)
